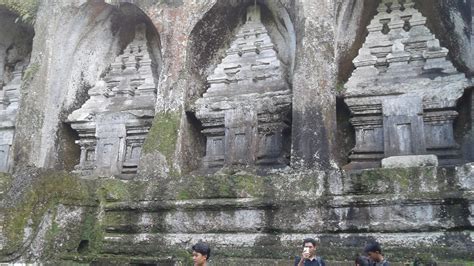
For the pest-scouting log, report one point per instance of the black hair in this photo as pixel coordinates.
(373, 247)
(362, 261)
(202, 248)
(310, 240)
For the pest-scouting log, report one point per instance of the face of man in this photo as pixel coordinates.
(311, 248)
(199, 259)
(375, 256)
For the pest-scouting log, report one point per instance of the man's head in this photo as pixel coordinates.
(374, 251)
(310, 243)
(201, 253)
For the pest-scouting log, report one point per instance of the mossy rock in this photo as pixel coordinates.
(391, 180)
(44, 193)
(222, 186)
(163, 134)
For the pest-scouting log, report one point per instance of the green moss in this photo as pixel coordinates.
(184, 195)
(115, 190)
(44, 193)
(26, 9)
(163, 135)
(30, 72)
(5, 182)
(222, 186)
(340, 87)
(393, 180)
(92, 232)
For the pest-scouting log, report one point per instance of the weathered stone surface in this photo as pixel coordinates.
(409, 161)
(402, 57)
(15, 50)
(414, 200)
(245, 111)
(113, 123)
(62, 69)
(155, 216)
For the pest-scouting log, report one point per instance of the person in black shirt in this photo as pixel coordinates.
(374, 253)
(308, 257)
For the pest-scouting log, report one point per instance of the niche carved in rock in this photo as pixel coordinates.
(113, 123)
(15, 51)
(246, 111)
(403, 92)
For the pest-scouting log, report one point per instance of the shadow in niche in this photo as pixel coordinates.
(221, 25)
(83, 246)
(442, 24)
(463, 133)
(112, 137)
(15, 52)
(71, 152)
(199, 141)
(347, 54)
(131, 16)
(345, 135)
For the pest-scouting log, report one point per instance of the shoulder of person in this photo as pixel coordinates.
(320, 260)
(297, 259)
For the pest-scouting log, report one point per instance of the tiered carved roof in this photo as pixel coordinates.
(401, 55)
(128, 86)
(251, 64)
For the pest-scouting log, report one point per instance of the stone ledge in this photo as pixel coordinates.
(193, 204)
(402, 246)
(410, 161)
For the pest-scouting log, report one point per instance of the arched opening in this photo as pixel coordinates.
(394, 93)
(113, 122)
(16, 40)
(252, 45)
(463, 131)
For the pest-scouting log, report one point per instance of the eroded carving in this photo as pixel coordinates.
(13, 65)
(113, 123)
(245, 112)
(402, 57)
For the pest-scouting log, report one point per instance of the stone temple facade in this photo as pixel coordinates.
(131, 130)
(113, 123)
(245, 112)
(403, 91)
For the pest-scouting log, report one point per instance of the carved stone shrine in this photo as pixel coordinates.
(403, 92)
(246, 110)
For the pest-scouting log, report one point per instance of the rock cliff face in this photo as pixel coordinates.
(129, 130)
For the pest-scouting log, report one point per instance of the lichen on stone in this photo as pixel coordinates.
(26, 9)
(43, 194)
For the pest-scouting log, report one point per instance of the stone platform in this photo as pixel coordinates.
(409, 211)
(412, 212)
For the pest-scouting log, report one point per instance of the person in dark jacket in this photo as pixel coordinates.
(308, 257)
(362, 261)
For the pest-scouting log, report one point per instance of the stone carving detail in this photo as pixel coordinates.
(245, 112)
(113, 123)
(402, 57)
(10, 84)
